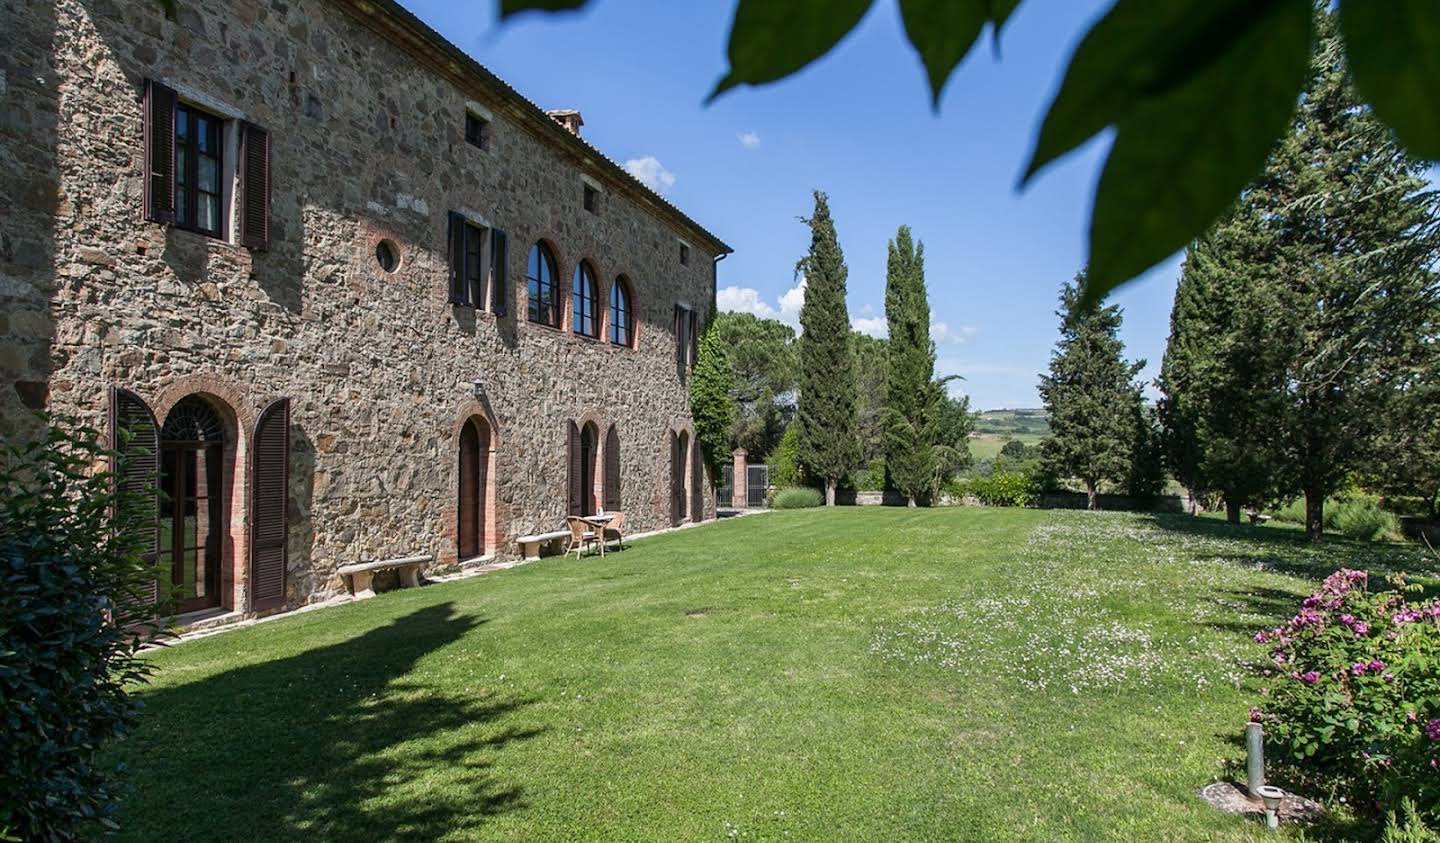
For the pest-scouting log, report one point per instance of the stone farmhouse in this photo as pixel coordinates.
(344, 293)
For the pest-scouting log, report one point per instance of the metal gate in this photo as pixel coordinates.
(726, 493)
(757, 486)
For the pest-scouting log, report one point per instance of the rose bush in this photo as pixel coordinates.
(1352, 707)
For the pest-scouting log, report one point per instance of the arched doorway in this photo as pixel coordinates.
(589, 450)
(192, 504)
(474, 489)
(679, 448)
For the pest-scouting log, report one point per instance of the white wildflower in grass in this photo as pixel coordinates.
(1074, 622)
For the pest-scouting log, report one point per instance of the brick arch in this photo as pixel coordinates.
(676, 516)
(230, 399)
(493, 521)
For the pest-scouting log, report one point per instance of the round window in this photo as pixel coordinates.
(387, 254)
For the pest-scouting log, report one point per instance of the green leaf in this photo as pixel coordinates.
(771, 39)
(513, 7)
(942, 32)
(1182, 156)
(1140, 49)
(1394, 51)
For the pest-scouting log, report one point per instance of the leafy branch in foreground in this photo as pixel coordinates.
(1198, 91)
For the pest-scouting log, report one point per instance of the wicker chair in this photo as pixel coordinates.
(615, 530)
(582, 534)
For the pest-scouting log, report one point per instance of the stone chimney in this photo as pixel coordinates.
(569, 118)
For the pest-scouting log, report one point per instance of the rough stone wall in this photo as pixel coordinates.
(366, 145)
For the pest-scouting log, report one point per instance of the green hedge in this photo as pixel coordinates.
(1359, 517)
(999, 489)
(798, 497)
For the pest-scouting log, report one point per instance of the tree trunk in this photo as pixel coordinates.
(1190, 502)
(1232, 511)
(1314, 514)
(1092, 496)
(910, 501)
(829, 492)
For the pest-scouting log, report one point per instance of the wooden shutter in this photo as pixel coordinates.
(254, 187)
(499, 282)
(692, 336)
(572, 456)
(135, 438)
(269, 505)
(612, 470)
(159, 110)
(680, 324)
(457, 259)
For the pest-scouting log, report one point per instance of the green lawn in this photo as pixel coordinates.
(859, 674)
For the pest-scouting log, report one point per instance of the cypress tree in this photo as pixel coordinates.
(910, 400)
(1094, 403)
(829, 446)
(711, 404)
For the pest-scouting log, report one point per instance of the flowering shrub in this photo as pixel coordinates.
(1353, 704)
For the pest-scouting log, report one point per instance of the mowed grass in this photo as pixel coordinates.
(854, 674)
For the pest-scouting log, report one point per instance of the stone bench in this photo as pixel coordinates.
(1256, 517)
(530, 545)
(362, 574)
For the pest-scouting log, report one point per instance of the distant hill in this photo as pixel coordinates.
(1013, 422)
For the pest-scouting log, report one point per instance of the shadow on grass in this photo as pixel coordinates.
(1287, 551)
(336, 743)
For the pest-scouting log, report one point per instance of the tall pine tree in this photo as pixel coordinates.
(1095, 405)
(1222, 376)
(1341, 237)
(829, 447)
(911, 401)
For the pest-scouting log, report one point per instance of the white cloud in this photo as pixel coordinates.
(749, 140)
(943, 334)
(744, 300)
(790, 303)
(651, 173)
(874, 326)
(749, 300)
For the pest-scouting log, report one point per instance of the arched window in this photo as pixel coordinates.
(544, 303)
(585, 312)
(622, 331)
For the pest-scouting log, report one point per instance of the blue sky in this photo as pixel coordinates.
(859, 126)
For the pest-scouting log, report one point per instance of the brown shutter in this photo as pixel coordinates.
(572, 455)
(693, 337)
(254, 187)
(135, 439)
(269, 505)
(680, 340)
(159, 109)
(457, 258)
(499, 281)
(612, 470)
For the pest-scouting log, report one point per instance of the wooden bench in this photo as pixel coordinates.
(530, 545)
(362, 574)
